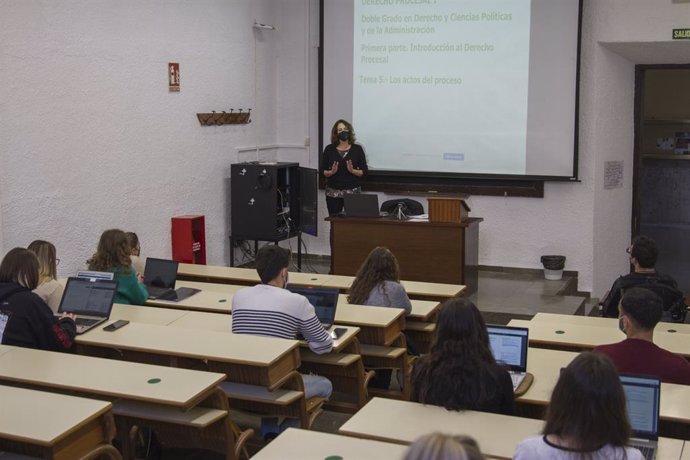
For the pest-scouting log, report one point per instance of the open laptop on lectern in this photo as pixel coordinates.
(361, 205)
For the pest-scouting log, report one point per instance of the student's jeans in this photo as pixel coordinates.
(314, 386)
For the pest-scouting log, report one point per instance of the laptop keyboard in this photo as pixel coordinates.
(83, 322)
(648, 452)
(517, 378)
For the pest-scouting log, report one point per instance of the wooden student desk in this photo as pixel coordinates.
(54, 426)
(546, 366)
(245, 359)
(295, 444)
(403, 422)
(141, 314)
(597, 321)
(223, 323)
(498, 435)
(246, 276)
(577, 337)
(169, 386)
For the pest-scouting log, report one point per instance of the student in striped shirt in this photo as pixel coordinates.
(270, 310)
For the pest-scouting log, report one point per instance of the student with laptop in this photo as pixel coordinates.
(639, 311)
(270, 310)
(460, 373)
(49, 289)
(25, 319)
(112, 255)
(343, 164)
(586, 418)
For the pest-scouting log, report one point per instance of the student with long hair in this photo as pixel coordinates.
(460, 373)
(586, 418)
(112, 255)
(377, 282)
(49, 289)
(25, 319)
(135, 252)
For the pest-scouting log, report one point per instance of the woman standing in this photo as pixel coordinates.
(460, 373)
(343, 164)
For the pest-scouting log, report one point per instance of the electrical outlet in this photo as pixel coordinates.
(307, 141)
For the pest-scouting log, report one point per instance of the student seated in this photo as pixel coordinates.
(437, 446)
(377, 284)
(25, 319)
(586, 418)
(643, 253)
(639, 312)
(270, 310)
(49, 289)
(112, 255)
(460, 372)
(135, 252)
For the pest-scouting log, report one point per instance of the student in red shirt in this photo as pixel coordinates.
(638, 314)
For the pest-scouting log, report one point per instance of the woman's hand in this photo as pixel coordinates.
(332, 171)
(354, 171)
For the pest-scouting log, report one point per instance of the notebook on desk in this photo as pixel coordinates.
(643, 396)
(160, 276)
(90, 299)
(509, 347)
(361, 205)
(324, 300)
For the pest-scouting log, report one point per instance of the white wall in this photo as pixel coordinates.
(90, 136)
(91, 139)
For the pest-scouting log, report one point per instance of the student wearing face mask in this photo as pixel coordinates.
(343, 164)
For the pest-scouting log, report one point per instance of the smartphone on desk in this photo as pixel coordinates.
(116, 325)
(338, 332)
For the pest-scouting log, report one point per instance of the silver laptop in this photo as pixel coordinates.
(509, 347)
(361, 205)
(90, 299)
(643, 395)
(96, 275)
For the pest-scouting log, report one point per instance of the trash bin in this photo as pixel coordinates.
(553, 267)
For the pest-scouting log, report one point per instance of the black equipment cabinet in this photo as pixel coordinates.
(272, 202)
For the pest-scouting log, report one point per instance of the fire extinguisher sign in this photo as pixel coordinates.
(173, 77)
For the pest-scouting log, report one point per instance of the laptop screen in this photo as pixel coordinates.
(96, 275)
(324, 301)
(509, 346)
(160, 273)
(88, 297)
(361, 205)
(642, 396)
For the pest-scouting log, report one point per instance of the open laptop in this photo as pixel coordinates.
(642, 394)
(361, 205)
(96, 275)
(509, 347)
(160, 276)
(324, 300)
(90, 299)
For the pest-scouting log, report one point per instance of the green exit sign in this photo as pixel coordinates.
(681, 34)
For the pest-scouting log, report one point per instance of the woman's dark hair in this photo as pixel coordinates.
(588, 405)
(270, 260)
(133, 243)
(456, 371)
(20, 266)
(47, 259)
(379, 266)
(112, 252)
(334, 132)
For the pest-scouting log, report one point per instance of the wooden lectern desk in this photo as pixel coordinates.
(436, 252)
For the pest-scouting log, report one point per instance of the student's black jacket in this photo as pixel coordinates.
(27, 321)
